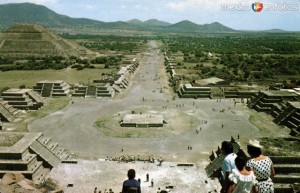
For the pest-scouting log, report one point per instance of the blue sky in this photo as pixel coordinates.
(285, 14)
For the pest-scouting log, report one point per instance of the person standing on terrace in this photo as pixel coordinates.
(227, 166)
(262, 166)
(131, 185)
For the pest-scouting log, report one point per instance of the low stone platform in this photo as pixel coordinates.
(142, 120)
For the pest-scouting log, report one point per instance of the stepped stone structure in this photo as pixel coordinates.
(287, 176)
(108, 87)
(191, 91)
(282, 105)
(203, 89)
(290, 116)
(31, 39)
(95, 90)
(265, 100)
(48, 88)
(230, 92)
(80, 91)
(25, 99)
(287, 168)
(29, 154)
(7, 112)
(170, 66)
(121, 81)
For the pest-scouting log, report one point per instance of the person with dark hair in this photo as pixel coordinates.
(131, 185)
(227, 166)
(262, 166)
(244, 180)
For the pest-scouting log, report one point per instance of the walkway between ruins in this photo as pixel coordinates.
(73, 128)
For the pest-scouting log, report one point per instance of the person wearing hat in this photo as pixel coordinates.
(262, 166)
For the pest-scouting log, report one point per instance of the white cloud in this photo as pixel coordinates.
(88, 6)
(185, 4)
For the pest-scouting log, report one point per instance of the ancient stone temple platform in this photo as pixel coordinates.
(142, 120)
(30, 154)
(7, 112)
(48, 88)
(25, 99)
(284, 106)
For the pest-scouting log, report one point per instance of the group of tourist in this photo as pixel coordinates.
(242, 175)
(239, 174)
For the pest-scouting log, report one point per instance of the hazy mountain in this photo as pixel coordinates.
(216, 26)
(150, 22)
(16, 13)
(135, 22)
(155, 22)
(184, 26)
(275, 31)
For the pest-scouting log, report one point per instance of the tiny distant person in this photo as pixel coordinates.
(227, 166)
(131, 185)
(244, 180)
(262, 166)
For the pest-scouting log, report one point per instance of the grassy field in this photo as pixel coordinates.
(51, 105)
(14, 79)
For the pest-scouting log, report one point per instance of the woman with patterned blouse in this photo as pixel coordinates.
(262, 166)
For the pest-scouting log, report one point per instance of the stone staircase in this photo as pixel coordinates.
(290, 117)
(32, 155)
(80, 91)
(287, 169)
(23, 99)
(45, 153)
(54, 88)
(105, 91)
(28, 165)
(47, 90)
(255, 99)
(91, 91)
(54, 148)
(7, 112)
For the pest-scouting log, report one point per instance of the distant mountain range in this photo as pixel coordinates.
(16, 13)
